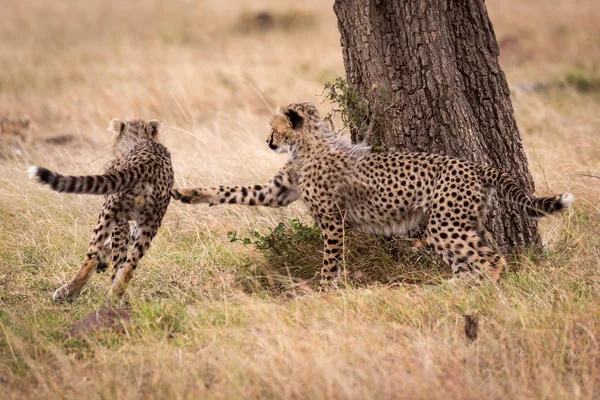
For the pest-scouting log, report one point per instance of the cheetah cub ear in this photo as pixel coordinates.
(116, 125)
(296, 119)
(153, 127)
(280, 122)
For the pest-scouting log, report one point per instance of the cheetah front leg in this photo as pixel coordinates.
(333, 244)
(279, 192)
(256, 195)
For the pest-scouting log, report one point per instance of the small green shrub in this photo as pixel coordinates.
(293, 252)
(351, 106)
(359, 113)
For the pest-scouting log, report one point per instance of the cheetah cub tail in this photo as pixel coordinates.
(566, 199)
(94, 184)
(550, 205)
(509, 190)
(32, 171)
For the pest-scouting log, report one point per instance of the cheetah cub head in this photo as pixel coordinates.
(130, 133)
(292, 125)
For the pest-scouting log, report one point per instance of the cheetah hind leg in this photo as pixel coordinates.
(122, 236)
(102, 265)
(114, 250)
(70, 291)
(467, 255)
(140, 236)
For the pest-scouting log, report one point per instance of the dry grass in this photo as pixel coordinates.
(214, 319)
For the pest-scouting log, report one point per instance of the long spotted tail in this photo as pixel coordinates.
(509, 190)
(111, 183)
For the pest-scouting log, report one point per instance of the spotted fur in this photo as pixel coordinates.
(346, 185)
(136, 186)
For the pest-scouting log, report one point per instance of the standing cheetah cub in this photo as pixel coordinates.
(385, 193)
(136, 187)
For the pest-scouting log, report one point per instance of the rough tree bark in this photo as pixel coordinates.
(436, 63)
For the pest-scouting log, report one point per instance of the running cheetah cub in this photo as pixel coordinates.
(136, 187)
(346, 185)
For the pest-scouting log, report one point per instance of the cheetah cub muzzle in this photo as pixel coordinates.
(346, 185)
(136, 187)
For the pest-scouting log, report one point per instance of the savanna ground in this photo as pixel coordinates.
(212, 318)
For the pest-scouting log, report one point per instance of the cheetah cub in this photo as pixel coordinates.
(346, 185)
(136, 187)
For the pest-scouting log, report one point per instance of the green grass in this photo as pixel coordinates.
(224, 319)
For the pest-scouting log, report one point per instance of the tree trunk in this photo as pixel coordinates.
(429, 71)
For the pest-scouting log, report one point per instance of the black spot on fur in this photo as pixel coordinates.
(101, 266)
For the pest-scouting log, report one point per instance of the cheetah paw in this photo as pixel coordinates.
(191, 196)
(327, 285)
(63, 293)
